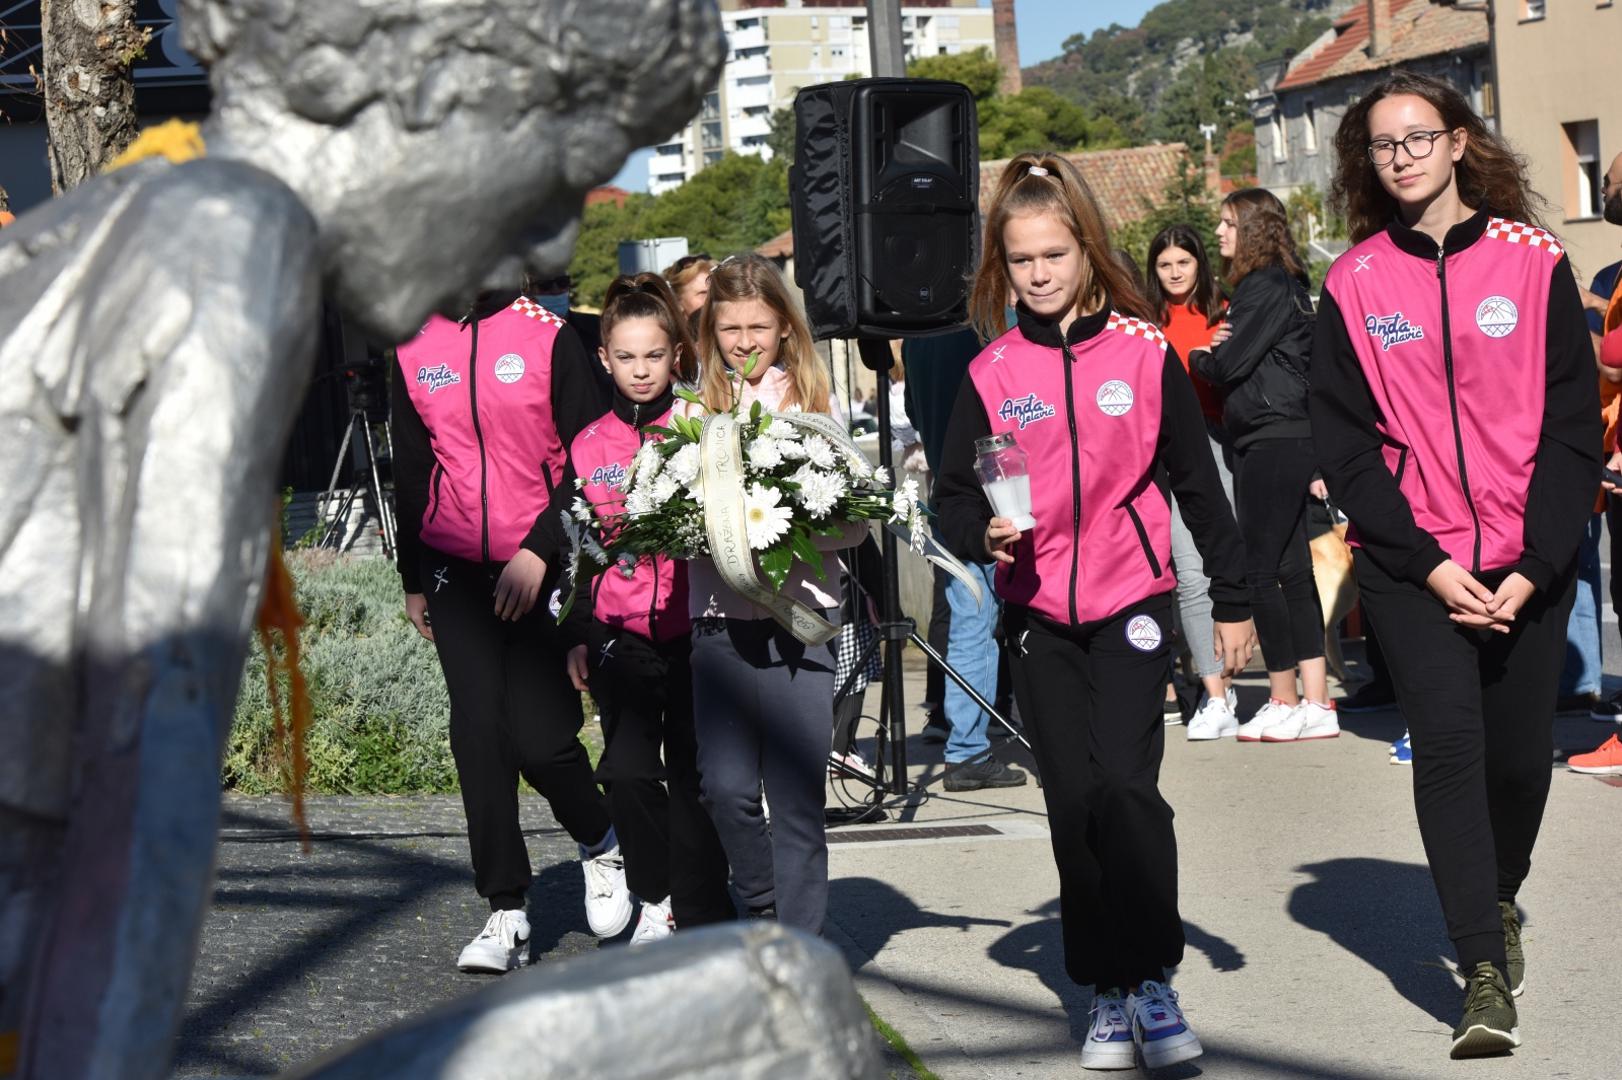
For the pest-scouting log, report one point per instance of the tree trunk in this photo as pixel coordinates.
(90, 48)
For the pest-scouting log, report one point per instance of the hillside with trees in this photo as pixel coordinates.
(1186, 63)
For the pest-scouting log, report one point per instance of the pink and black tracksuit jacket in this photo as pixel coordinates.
(647, 596)
(483, 409)
(1454, 403)
(1106, 415)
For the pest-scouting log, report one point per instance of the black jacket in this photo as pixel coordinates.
(1263, 368)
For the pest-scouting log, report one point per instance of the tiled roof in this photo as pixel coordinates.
(780, 246)
(1121, 179)
(1418, 28)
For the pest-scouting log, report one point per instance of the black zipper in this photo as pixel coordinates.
(439, 474)
(484, 480)
(1143, 538)
(653, 607)
(1402, 463)
(1453, 407)
(1075, 480)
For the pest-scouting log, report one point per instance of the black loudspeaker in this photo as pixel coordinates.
(885, 191)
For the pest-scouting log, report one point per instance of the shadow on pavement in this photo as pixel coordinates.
(1386, 913)
(1038, 947)
(872, 912)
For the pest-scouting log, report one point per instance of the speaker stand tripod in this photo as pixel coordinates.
(895, 630)
(368, 482)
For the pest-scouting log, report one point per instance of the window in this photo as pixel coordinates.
(712, 106)
(1489, 94)
(1532, 9)
(713, 156)
(1309, 114)
(1584, 185)
(710, 134)
(1281, 149)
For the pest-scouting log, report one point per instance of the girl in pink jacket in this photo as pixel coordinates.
(1089, 388)
(1456, 419)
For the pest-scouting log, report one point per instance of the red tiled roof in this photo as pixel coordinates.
(1121, 179)
(780, 246)
(607, 193)
(1418, 28)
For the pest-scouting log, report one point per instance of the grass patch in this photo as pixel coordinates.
(893, 1037)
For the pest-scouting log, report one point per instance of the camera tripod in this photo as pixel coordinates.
(368, 481)
(894, 631)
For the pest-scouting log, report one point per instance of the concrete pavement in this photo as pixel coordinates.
(1316, 944)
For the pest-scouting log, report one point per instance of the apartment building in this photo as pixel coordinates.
(777, 46)
(1558, 104)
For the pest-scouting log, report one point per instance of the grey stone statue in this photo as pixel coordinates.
(156, 330)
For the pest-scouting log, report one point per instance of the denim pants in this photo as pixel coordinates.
(971, 648)
(1584, 651)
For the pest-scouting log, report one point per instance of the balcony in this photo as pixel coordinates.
(752, 38)
(754, 65)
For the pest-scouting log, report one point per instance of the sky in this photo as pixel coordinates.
(1043, 26)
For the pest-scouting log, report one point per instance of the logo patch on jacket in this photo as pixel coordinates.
(1393, 330)
(437, 378)
(1497, 316)
(1115, 398)
(1143, 634)
(510, 368)
(611, 474)
(1026, 410)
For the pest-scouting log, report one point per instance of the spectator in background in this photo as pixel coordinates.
(1183, 293)
(689, 279)
(553, 295)
(935, 368)
(6, 216)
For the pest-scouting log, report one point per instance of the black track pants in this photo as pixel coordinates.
(1270, 492)
(513, 713)
(1480, 709)
(1091, 700)
(650, 771)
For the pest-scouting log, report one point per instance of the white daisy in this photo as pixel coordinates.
(859, 467)
(765, 453)
(664, 489)
(639, 502)
(581, 509)
(905, 502)
(683, 464)
(881, 476)
(645, 466)
(765, 520)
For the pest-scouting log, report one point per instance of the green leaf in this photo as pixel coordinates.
(568, 603)
(806, 551)
(688, 396)
(754, 414)
(775, 563)
(749, 365)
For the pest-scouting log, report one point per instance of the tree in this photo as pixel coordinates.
(780, 141)
(1208, 91)
(90, 50)
(1185, 200)
(977, 69)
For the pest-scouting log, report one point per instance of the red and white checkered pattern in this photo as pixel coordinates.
(1516, 232)
(525, 306)
(1133, 327)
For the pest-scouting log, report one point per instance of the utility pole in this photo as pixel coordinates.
(884, 42)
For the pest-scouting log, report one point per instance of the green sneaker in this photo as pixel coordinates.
(1514, 957)
(1488, 1026)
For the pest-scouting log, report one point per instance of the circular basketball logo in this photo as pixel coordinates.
(510, 368)
(1497, 316)
(1144, 634)
(1115, 399)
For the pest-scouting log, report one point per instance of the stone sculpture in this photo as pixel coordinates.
(156, 330)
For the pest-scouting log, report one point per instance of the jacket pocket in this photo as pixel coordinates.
(1143, 539)
(439, 474)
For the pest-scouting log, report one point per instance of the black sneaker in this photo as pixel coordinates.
(1514, 955)
(1489, 1025)
(986, 773)
(936, 729)
(1370, 697)
(767, 913)
(1172, 712)
(1577, 703)
(1607, 710)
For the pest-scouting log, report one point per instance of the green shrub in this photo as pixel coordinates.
(379, 707)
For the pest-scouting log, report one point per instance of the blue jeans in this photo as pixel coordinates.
(1584, 660)
(971, 648)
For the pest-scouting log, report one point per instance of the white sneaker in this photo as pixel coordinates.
(655, 924)
(1308, 720)
(853, 761)
(1274, 712)
(1159, 1028)
(1109, 1041)
(608, 901)
(502, 945)
(1215, 718)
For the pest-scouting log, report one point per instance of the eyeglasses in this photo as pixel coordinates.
(1418, 145)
